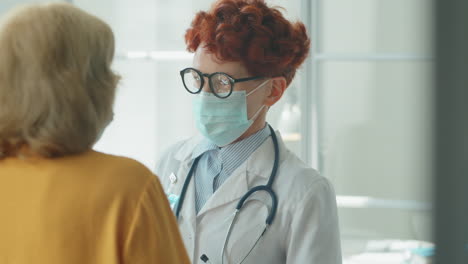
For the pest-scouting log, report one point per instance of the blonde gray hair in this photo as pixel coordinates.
(57, 88)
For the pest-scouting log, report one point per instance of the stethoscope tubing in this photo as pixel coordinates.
(266, 188)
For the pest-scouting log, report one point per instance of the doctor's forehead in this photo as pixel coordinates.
(207, 62)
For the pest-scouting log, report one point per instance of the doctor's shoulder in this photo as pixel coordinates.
(170, 158)
(302, 184)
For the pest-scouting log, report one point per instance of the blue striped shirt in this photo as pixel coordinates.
(217, 164)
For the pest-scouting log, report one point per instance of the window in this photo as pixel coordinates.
(153, 110)
(372, 64)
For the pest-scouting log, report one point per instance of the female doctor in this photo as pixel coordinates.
(239, 195)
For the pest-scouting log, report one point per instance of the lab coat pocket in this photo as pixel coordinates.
(246, 231)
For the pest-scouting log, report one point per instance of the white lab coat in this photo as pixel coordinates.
(305, 229)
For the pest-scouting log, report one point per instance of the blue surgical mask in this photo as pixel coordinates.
(222, 121)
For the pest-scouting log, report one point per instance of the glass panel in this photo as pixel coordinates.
(133, 24)
(174, 119)
(375, 124)
(380, 111)
(375, 26)
(172, 20)
(285, 116)
(160, 25)
(148, 24)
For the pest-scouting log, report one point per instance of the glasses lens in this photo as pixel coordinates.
(192, 80)
(222, 85)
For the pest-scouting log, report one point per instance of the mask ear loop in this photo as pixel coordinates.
(257, 113)
(263, 106)
(258, 87)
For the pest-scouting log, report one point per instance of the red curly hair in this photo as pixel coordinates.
(253, 33)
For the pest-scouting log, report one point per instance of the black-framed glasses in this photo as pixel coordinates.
(221, 84)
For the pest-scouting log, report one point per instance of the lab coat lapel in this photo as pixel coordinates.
(232, 189)
(187, 218)
(260, 163)
(187, 213)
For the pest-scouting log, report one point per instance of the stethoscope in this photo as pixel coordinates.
(266, 188)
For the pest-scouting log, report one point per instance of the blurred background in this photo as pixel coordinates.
(359, 110)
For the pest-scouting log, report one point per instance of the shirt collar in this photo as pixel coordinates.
(204, 146)
(233, 155)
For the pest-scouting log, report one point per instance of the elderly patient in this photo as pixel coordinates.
(60, 201)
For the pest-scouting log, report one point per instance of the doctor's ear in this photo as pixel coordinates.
(278, 86)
